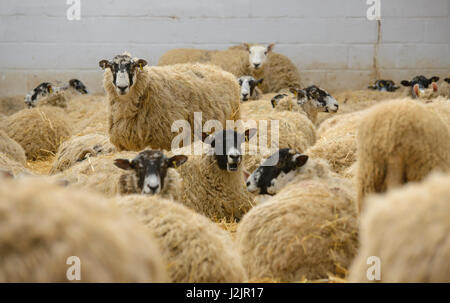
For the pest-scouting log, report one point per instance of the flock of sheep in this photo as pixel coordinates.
(346, 177)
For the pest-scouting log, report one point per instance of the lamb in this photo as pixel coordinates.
(307, 231)
(384, 86)
(145, 102)
(149, 172)
(213, 184)
(11, 148)
(399, 142)
(419, 84)
(409, 231)
(43, 225)
(194, 248)
(76, 149)
(249, 88)
(39, 131)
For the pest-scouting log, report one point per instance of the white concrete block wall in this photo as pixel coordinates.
(331, 41)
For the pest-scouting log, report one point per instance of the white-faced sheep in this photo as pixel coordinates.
(44, 225)
(307, 231)
(76, 149)
(146, 101)
(249, 88)
(39, 131)
(194, 248)
(409, 231)
(149, 172)
(11, 148)
(398, 142)
(213, 184)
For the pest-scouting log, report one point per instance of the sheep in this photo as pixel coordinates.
(249, 88)
(213, 184)
(145, 103)
(307, 231)
(419, 84)
(89, 114)
(309, 101)
(232, 61)
(43, 225)
(194, 248)
(384, 86)
(11, 148)
(11, 166)
(76, 149)
(39, 131)
(398, 142)
(409, 231)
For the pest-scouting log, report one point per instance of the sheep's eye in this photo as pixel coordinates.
(265, 53)
(240, 82)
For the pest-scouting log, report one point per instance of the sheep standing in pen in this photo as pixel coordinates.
(213, 184)
(306, 231)
(43, 225)
(249, 88)
(399, 142)
(146, 101)
(409, 231)
(194, 248)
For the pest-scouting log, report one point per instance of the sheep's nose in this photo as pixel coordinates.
(248, 183)
(153, 188)
(122, 88)
(244, 96)
(256, 65)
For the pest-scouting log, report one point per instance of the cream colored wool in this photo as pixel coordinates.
(441, 106)
(58, 99)
(409, 230)
(89, 114)
(289, 103)
(306, 231)
(296, 131)
(43, 225)
(77, 149)
(399, 142)
(213, 192)
(257, 94)
(11, 105)
(10, 165)
(194, 248)
(101, 175)
(162, 95)
(232, 61)
(11, 148)
(39, 131)
(261, 106)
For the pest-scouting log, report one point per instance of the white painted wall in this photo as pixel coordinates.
(331, 41)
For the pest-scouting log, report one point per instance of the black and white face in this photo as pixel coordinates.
(420, 84)
(300, 94)
(258, 54)
(321, 99)
(248, 84)
(124, 69)
(78, 86)
(42, 90)
(150, 168)
(227, 147)
(384, 86)
(275, 171)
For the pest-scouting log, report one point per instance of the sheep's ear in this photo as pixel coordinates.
(246, 175)
(104, 64)
(447, 80)
(406, 83)
(249, 133)
(273, 102)
(140, 63)
(259, 81)
(433, 79)
(176, 161)
(300, 159)
(270, 47)
(123, 164)
(294, 91)
(435, 86)
(247, 46)
(49, 89)
(371, 87)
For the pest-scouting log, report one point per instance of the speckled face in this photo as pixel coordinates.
(278, 168)
(384, 86)
(150, 168)
(78, 86)
(42, 90)
(123, 69)
(321, 99)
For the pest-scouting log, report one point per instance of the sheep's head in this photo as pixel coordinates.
(227, 147)
(248, 84)
(42, 90)
(278, 168)
(123, 68)
(258, 54)
(384, 86)
(78, 86)
(419, 85)
(318, 97)
(150, 168)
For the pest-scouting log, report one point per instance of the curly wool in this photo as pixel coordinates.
(399, 142)
(162, 95)
(413, 247)
(9, 165)
(43, 224)
(195, 249)
(11, 105)
(89, 114)
(58, 99)
(12, 149)
(39, 131)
